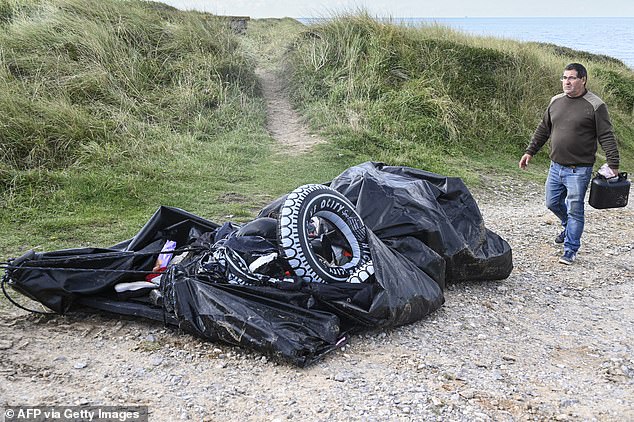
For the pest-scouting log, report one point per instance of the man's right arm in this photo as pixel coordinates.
(541, 135)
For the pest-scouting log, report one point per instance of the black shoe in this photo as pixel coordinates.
(560, 237)
(568, 258)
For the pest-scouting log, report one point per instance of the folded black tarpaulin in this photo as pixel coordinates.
(423, 230)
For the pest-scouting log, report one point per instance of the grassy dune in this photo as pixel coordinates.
(437, 99)
(111, 108)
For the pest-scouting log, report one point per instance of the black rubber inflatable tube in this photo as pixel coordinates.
(315, 200)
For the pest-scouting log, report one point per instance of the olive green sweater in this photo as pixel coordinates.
(575, 125)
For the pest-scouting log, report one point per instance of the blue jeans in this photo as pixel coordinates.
(565, 193)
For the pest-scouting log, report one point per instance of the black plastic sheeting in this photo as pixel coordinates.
(420, 212)
(423, 230)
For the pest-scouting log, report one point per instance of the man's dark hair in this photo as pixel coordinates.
(581, 70)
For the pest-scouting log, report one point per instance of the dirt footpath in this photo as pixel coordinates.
(552, 342)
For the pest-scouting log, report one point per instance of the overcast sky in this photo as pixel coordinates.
(411, 8)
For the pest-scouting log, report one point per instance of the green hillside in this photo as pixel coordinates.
(437, 99)
(111, 108)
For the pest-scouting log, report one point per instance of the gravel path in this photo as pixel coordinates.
(552, 342)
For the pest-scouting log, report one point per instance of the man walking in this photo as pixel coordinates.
(575, 121)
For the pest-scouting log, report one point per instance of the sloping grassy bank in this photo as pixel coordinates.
(111, 108)
(436, 99)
